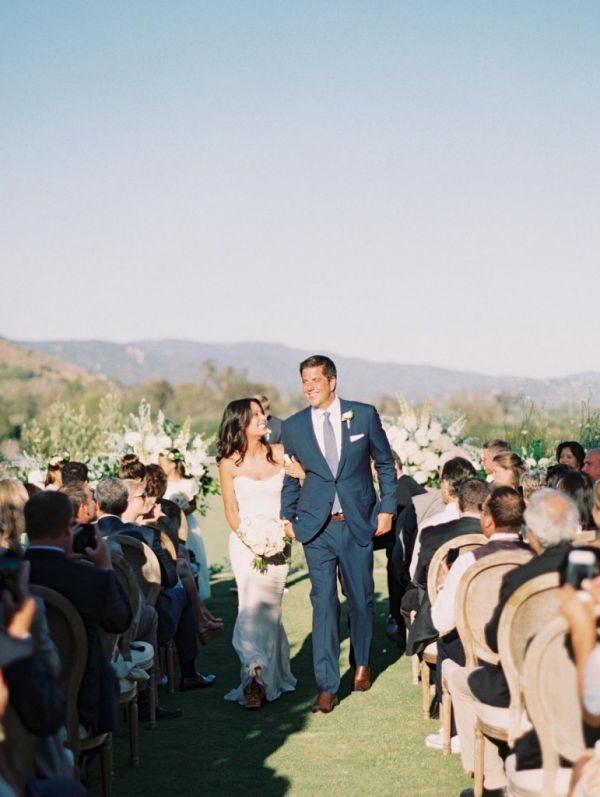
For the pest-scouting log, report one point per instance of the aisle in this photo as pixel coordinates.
(372, 744)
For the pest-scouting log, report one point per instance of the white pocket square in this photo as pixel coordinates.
(355, 437)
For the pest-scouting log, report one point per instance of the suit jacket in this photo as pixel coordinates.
(111, 525)
(274, 426)
(435, 536)
(102, 604)
(308, 507)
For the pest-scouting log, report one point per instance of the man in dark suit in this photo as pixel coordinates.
(94, 591)
(551, 520)
(469, 493)
(274, 425)
(335, 514)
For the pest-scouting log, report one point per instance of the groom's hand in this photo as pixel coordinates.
(384, 523)
(288, 530)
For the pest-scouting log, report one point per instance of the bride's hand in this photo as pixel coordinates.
(288, 530)
(294, 469)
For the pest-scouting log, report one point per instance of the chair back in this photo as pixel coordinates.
(477, 597)
(69, 635)
(144, 564)
(552, 699)
(129, 584)
(464, 543)
(168, 545)
(529, 609)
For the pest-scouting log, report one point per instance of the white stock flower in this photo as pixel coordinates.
(410, 422)
(435, 430)
(422, 436)
(132, 439)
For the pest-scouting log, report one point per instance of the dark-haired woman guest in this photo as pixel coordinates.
(570, 453)
(251, 473)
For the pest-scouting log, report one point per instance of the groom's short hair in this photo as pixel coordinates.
(320, 361)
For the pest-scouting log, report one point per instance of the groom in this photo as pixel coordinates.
(335, 514)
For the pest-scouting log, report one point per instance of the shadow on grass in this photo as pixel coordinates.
(217, 747)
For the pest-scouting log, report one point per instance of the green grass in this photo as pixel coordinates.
(372, 744)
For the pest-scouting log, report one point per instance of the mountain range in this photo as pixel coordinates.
(275, 364)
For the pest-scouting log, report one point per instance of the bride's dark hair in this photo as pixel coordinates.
(232, 431)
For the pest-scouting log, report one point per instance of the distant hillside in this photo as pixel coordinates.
(32, 379)
(181, 361)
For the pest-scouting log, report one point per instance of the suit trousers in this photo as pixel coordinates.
(176, 621)
(464, 707)
(335, 549)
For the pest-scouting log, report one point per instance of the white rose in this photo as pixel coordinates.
(431, 462)
(419, 477)
(419, 457)
(410, 449)
(422, 437)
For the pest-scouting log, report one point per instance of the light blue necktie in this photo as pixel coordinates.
(331, 454)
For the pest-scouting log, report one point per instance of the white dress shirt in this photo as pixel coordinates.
(318, 419)
(443, 613)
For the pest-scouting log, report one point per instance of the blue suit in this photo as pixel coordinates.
(332, 545)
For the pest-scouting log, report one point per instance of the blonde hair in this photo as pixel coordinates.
(531, 482)
(13, 497)
(511, 461)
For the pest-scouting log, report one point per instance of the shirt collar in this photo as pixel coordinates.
(335, 409)
(504, 535)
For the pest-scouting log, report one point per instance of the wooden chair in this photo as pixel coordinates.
(529, 609)
(69, 636)
(476, 598)
(464, 543)
(554, 712)
(146, 568)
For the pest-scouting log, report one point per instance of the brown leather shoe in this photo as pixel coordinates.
(362, 679)
(325, 703)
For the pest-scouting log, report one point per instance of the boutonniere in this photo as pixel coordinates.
(347, 416)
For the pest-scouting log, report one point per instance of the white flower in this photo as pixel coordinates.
(347, 416)
(132, 439)
(435, 430)
(419, 477)
(422, 437)
(410, 422)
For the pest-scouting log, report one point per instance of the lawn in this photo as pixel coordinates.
(371, 744)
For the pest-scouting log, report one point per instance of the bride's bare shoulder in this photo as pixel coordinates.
(227, 465)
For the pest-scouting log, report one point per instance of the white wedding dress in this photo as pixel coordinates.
(259, 637)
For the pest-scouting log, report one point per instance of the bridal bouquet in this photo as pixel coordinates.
(265, 537)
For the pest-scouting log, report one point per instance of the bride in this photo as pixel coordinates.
(251, 473)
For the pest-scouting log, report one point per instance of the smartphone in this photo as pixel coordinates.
(84, 537)
(9, 575)
(452, 556)
(580, 565)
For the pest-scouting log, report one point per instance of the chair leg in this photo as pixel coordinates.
(415, 669)
(479, 753)
(446, 718)
(425, 690)
(170, 667)
(134, 731)
(106, 766)
(152, 698)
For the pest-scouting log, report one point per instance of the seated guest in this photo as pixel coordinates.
(591, 465)
(501, 521)
(398, 558)
(13, 497)
(580, 487)
(454, 471)
(551, 521)
(507, 468)
(570, 453)
(74, 472)
(490, 449)
(176, 619)
(94, 592)
(580, 615)
(82, 501)
(532, 481)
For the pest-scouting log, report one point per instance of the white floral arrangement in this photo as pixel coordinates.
(265, 536)
(420, 437)
(150, 438)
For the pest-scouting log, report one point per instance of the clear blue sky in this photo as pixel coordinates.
(416, 182)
